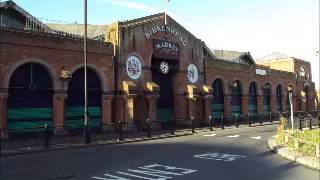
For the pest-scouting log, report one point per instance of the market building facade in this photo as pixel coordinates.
(137, 70)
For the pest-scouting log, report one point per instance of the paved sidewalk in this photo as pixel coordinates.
(288, 153)
(127, 138)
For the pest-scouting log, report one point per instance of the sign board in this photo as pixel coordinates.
(262, 72)
(164, 49)
(192, 73)
(167, 29)
(133, 67)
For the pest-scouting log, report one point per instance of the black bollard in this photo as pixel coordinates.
(237, 121)
(318, 119)
(172, 126)
(270, 117)
(193, 124)
(148, 128)
(46, 136)
(249, 120)
(120, 131)
(221, 121)
(310, 121)
(210, 123)
(261, 120)
(86, 134)
(300, 123)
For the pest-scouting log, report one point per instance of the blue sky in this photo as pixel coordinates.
(258, 26)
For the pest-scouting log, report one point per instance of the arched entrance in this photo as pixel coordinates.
(279, 99)
(236, 98)
(162, 73)
(252, 99)
(30, 99)
(217, 104)
(266, 98)
(75, 100)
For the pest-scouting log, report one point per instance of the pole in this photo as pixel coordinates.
(165, 12)
(291, 110)
(85, 65)
(86, 131)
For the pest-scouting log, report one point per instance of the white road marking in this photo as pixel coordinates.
(219, 156)
(209, 135)
(150, 172)
(258, 137)
(234, 136)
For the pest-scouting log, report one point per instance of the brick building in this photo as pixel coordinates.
(142, 69)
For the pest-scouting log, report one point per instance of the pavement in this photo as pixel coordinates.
(35, 145)
(233, 153)
(289, 153)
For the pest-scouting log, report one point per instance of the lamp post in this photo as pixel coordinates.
(290, 91)
(85, 75)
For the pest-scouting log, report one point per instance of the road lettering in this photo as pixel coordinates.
(219, 156)
(150, 172)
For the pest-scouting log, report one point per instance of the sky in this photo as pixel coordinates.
(259, 26)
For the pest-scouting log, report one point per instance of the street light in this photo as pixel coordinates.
(86, 135)
(290, 91)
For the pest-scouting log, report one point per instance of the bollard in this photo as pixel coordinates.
(300, 123)
(210, 123)
(120, 131)
(193, 124)
(261, 121)
(318, 119)
(237, 121)
(270, 117)
(46, 136)
(148, 128)
(221, 121)
(86, 134)
(249, 119)
(310, 121)
(172, 126)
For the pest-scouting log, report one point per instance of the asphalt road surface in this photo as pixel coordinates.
(235, 154)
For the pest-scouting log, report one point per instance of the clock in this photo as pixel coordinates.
(164, 67)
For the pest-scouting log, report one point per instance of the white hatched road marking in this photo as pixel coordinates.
(258, 137)
(209, 135)
(234, 136)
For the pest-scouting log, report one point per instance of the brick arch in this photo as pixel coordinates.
(271, 87)
(293, 87)
(224, 83)
(257, 83)
(51, 71)
(241, 85)
(102, 77)
(282, 88)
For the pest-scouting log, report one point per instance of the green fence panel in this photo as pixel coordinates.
(28, 119)
(74, 117)
(235, 110)
(165, 114)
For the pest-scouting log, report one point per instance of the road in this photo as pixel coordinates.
(229, 154)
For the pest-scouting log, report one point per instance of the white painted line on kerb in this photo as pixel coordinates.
(209, 135)
(258, 137)
(234, 136)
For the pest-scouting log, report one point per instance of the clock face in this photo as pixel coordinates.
(133, 67)
(164, 67)
(192, 73)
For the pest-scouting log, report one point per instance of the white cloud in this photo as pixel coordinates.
(131, 5)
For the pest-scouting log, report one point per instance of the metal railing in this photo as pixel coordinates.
(119, 131)
(297, 142)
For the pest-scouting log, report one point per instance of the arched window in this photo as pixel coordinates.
(302, 72)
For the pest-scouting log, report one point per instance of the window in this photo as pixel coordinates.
(302, 72)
